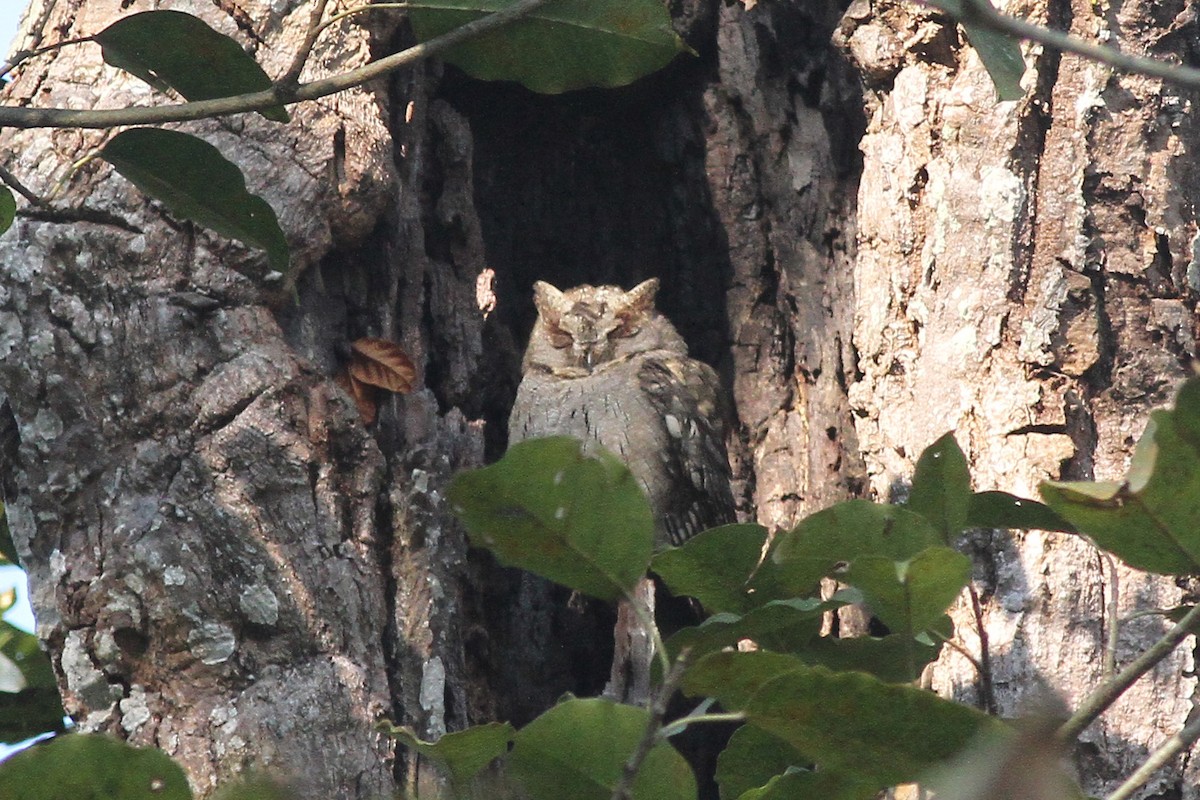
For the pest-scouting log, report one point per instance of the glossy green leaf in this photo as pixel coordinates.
(720, 568)
(579, 748)
(1152, 521)
(462, 754)
(910, 596)
(174, 50)
(565, 45)
(846, 722)
(192, 179)
(8, 208)
(941, 487)
(1004, 510)
(828, 542)
(582, 521)
(91, 767)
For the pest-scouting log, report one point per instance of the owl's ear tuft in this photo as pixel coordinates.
(641, 297)
(550, 302)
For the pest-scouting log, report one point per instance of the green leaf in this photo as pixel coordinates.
(192, 179)
(91, 767)
(941, 488)
(173, 50)
(719, 567)
(1001, 57)
(23, 650)
(1003, 510)
(894, 658)
(1151, 521)
(828, 542)
(846, 722)
(578, 750)
(582, 521)
(999, 52)
(805, 784)
(751, 759)
(8, 550)
(780, 626)
(462, 754)
(910, 596)
(565, 45)
(30, 712)
(8, 208)
(736, 681)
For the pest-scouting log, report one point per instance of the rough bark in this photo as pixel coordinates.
(227, 564)
(1022, 279)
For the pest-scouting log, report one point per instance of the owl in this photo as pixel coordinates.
(603, 365)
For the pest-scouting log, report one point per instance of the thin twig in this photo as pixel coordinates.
(985, 654)
(356, 10)
(25, 55)
(983, 14)
(658, 710)
(1169, 749)
(11, 180)
(1114, 609)
(1098, 701)
(291, 78)
(268, 98)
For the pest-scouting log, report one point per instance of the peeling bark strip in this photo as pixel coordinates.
(225, 562)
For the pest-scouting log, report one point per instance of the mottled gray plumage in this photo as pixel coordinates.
(603, 365)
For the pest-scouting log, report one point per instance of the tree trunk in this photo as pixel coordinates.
(228, 564)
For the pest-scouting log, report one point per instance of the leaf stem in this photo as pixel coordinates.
(658, 710)
(268, 98)
(1098, 701)
(681, 724)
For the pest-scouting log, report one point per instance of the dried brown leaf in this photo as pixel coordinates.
(363, 395)
(381, 363)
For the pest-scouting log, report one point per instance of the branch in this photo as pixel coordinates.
(292, 76)
(1098, 701)
(1169, 749)
(983, 14)
(268, 98)
(658, 709)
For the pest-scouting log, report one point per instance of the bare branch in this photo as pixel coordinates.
(256, 101)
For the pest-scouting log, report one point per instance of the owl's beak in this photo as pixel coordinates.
(585, 355)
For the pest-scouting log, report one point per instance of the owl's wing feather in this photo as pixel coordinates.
(687, 395)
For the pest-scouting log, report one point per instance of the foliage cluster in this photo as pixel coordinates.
(821, 716)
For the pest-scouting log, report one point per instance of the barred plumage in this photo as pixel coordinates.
(604, 365)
